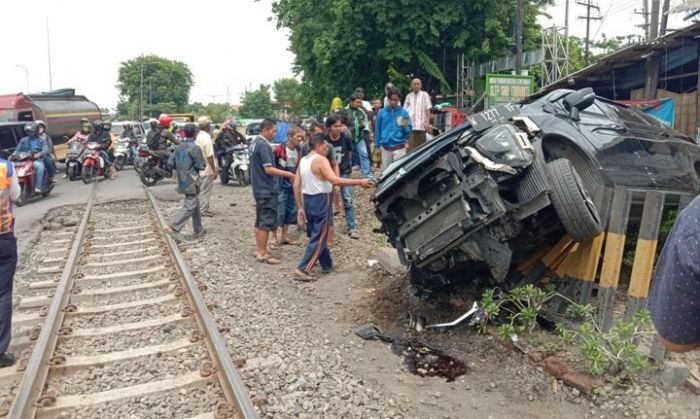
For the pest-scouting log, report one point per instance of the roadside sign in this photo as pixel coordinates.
(507, 88)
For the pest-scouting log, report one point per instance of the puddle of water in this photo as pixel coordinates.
(425, 361)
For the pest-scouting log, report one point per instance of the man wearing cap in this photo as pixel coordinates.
(209, 174)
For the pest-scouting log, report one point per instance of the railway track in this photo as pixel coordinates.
(114, 326)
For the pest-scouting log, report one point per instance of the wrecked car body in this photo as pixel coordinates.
(476, 201)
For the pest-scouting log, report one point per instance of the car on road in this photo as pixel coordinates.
(10, 134)
(118, 128)
(474, 202)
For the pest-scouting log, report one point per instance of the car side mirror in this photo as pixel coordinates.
(579, 100)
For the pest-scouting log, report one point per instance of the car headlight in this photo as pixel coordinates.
(506, 145)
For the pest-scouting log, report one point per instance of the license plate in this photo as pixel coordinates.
(490, 117)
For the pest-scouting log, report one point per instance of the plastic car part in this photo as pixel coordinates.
(488, 164)
(456, 322)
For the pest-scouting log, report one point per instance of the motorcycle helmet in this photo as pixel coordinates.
(30, 128)
(107, 126)
(97, 125)
(85, 128)
(190, 130)
(127, 125)
(165, 121)
(40, 123)
(153, 122)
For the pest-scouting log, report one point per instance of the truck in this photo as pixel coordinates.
(62, 111)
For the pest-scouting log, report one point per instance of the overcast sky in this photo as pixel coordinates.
(225, 43)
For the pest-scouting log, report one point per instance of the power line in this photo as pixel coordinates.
(588, 18)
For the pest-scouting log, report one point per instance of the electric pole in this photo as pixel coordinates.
(48, 50)
(518, 36)
(141, 92)
(588, 18)
(664, 17)
(654, 23)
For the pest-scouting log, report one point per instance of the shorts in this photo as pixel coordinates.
(266, 213)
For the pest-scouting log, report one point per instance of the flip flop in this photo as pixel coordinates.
(289, 243)
(268, 259)
(274, 246)
(303, 276)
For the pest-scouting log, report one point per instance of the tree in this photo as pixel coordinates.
(257, 103)
(342, 44)
(216, 112)
(288, 95)
(165, 86)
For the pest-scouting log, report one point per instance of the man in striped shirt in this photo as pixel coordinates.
(418, 105)
(9, 191)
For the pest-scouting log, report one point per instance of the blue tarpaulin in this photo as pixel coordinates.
(664, 113)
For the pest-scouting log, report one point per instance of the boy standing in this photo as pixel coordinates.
(287, 156)
(187, 160)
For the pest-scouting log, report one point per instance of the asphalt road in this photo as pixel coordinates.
(126, 186)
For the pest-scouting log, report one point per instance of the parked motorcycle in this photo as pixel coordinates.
(93, 164)
(24, 168)
(236, 165)
(124, 152)
(139, 159)
(74, 157)
(155, 167)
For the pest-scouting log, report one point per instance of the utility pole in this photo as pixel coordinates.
(518, 36)
(645, 14)
(651, 80)
(48, 50)
(141, 89)
(664, 17)
(26, 75)
(654, 23)
(588, 18)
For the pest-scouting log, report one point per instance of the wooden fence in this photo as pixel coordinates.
(580, 269)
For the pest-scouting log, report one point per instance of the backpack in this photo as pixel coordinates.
(153, 141)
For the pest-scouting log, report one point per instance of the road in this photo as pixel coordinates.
(126, 186)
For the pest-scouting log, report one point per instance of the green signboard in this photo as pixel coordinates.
(507, 88)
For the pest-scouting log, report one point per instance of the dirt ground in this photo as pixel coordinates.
(322, 317)
(500, 381)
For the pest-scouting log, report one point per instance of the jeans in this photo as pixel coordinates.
(286, 208)
(8, 264)
(50, 165)
(360, 148)
(39, 169)
(346, 192)
(318, 216)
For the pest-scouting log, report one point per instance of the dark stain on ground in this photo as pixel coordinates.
(422, 360)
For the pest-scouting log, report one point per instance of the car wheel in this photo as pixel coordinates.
(572, 202)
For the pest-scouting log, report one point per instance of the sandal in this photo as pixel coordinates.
(289, 242)
(302, 276)
(268, 259)
(274, 246)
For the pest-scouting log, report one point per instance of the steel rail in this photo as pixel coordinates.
(34, 378)
(230, 379)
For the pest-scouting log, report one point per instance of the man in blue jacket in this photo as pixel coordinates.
(38, 148)
(392, 129)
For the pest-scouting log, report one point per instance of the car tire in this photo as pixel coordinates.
(572, 202)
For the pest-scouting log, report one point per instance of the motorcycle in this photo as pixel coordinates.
(124, 152)
(139, 159)
(93, 164)
(236, 165)
(24, 168)
(74, 163)
(155, 167)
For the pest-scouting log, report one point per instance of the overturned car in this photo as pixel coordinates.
(481, 198)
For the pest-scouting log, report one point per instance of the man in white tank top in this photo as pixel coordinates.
(313, 191)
